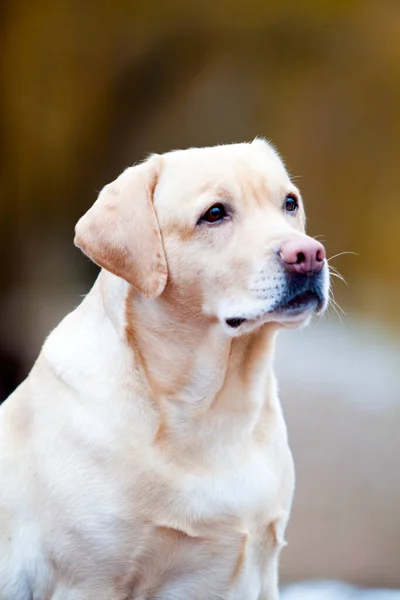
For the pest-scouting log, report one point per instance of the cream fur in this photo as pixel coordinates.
(146, 455)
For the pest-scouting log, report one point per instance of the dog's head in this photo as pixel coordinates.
(217, 231)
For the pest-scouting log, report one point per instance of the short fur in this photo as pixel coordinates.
(146, 455)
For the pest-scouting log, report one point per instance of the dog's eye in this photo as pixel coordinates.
(214, 214)
(291, 203)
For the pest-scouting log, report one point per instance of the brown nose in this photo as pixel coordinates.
(303, 255)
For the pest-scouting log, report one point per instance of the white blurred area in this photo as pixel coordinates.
(331, 590)
(340, 389)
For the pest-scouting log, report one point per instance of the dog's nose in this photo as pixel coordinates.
(304, 255)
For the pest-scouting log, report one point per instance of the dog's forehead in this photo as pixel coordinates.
(236, 168)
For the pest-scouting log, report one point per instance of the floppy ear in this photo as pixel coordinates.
(120, 231)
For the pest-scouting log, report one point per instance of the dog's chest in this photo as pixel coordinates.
(156, 532)
(214, 536)
(227, 566)
(236, 495)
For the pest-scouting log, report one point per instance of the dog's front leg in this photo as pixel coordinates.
(275, 536)
(270, 589)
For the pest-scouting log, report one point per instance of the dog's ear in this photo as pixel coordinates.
(120, 232)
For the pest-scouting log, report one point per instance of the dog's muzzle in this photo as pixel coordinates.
(302, 292)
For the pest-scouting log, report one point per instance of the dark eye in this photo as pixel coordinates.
(214, 214)
(291, 204)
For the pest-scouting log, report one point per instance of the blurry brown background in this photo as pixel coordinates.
(91, 87)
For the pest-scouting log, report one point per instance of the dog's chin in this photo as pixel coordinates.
(292, 314)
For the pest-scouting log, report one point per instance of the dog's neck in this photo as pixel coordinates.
(198, 376)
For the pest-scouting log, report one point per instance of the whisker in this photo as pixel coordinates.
(338, 307)
(335, 304)
(333, 307)
(341, 254)
(332, 299)
(334, 269)
(339, 277)
(335, 273)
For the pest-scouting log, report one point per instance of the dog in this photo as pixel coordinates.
(145, 457)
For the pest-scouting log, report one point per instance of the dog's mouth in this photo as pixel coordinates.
(303, 302)
(235, 323)
(308, 300)
(302, 295)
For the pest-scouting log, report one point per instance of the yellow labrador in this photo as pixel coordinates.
(146, 456)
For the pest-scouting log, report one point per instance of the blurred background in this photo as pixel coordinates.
(89, 88)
